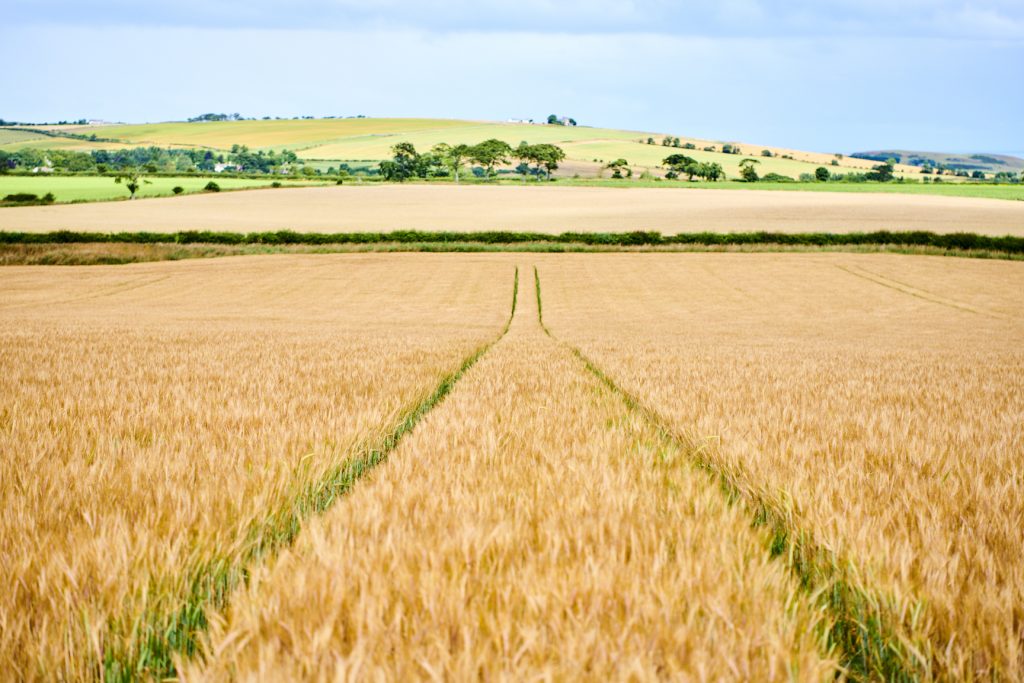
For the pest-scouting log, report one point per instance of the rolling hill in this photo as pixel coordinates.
(988, 163)
(369, 140)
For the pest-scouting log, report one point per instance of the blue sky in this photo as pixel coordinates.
(839, 75)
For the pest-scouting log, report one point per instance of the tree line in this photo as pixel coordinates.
(151, 160)
(445, 160)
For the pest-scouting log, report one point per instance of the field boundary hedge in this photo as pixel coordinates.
(965, 241)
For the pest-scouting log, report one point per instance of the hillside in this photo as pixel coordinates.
(359, 141)
(988, 163)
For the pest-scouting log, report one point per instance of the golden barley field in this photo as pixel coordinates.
(876, 401)
(152, 418)
(554, 209)
(629, 466)
(530, 529)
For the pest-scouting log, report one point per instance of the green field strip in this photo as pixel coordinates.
(868, 630)
(144, 645)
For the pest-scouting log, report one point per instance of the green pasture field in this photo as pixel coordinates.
(101, 188)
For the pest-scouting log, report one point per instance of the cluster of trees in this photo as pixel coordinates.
(238, 117)
(680, 165)
(77, 122)
(672, 141)
(881, 173)
(976, 174)
(152, 160)
(216, 117)
(445, 160)
(554, 120)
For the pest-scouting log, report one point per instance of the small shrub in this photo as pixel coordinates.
(48, 198)
(212, 187)
(777, 178)
(339, 181)
(177, 189)
(276, 183)
(21, 198)
(766, 153)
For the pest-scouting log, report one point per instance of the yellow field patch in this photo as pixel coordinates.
(531, 528)
(875, 399)
(153, 416)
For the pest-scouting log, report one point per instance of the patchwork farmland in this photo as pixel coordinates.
(698, 466)
(371, 140)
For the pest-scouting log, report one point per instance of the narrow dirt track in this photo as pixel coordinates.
(353, 208)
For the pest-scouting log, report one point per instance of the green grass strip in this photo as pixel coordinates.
(144, 645)
(871, 646)
(959, 241)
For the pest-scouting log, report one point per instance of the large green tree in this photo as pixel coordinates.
(747, 170)
(680, 164)
(452, 156)
(403, 164)
(489, 154)
(544, 156)
(547, 156)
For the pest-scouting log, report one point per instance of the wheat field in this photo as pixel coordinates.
(361, 466)
(876, 401)
(155, 419)
(549, 538)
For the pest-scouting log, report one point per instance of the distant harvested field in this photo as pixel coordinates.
(352, 208)
(11, 136)
(275, 134)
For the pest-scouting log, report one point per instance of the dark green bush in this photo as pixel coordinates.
(212, 187)
(21, 198)
(177, 189)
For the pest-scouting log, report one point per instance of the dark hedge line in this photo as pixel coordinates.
(959, 240)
